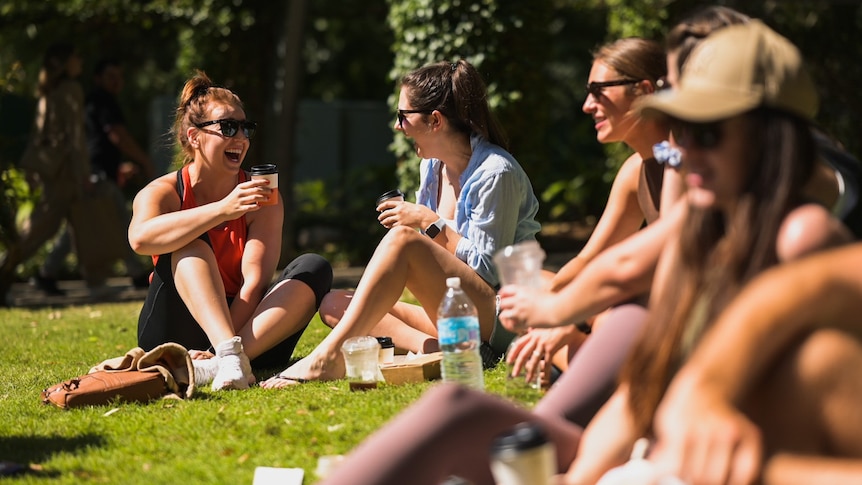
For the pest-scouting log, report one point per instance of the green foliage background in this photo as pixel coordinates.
(535, 56)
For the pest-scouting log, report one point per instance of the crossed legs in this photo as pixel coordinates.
(403, 259)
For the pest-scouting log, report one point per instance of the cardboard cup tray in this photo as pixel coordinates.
(416, 369)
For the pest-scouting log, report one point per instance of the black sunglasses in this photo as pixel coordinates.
(704, 135)
(402, 113)
(230, 127)
(595, 88)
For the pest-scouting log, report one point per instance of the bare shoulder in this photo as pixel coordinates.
(807, 229)
(160, 192)
(630, 169)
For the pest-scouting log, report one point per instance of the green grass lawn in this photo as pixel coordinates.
(215, 437)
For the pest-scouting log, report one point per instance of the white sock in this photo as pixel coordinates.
(205, 371)
(231, 372)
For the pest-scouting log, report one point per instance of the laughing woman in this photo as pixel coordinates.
(215, 247)
(473, 199)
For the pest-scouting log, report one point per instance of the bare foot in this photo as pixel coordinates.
(309, 368)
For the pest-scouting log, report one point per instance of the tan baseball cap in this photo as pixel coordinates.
(735, 70)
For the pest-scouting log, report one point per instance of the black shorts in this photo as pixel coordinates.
(165, 317)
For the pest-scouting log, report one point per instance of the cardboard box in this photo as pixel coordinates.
(416, 369)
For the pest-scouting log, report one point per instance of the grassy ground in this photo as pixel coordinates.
(212, 438)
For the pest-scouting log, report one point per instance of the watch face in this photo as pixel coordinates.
(432, 231)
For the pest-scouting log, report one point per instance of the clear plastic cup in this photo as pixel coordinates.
(521, 264)
(361, 355)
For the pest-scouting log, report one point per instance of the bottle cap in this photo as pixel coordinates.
(453, 282)
(524, 436)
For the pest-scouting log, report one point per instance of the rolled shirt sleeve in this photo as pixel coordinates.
(496, 207)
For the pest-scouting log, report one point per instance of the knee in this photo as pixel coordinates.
(313, 270)
(333, 306)
(397, 238)
(197, 249)
(824, 356)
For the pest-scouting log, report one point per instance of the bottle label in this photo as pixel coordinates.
(454, 330)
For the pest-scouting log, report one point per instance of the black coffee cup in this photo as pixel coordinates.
(392, 194)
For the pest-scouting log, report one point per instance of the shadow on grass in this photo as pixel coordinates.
(32, 450)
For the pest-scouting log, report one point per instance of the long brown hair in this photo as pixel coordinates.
(718, 256)
(194, 106)
(457, 90)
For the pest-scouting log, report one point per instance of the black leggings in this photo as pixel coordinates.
(165, 317)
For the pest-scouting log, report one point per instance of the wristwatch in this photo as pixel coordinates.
(435, 228)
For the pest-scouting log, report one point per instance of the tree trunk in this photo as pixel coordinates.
(284, 105)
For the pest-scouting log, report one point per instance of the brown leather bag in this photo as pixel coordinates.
(103, 387)
(164, 372)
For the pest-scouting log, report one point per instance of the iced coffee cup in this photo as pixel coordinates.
(521, 264)
(361, 356)
(267, 171)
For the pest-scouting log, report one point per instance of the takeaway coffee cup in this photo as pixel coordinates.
(523, 456)
(361, 356)
(521, 264)
(268, 172)
(387, 350)
(394, 194)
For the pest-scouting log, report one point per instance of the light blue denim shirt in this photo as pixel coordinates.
(496, 208)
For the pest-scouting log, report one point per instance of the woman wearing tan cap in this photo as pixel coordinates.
(741, 116)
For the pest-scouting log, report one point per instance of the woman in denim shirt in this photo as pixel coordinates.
(496, 204)
(473, 199)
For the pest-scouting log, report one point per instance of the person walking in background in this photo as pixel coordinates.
(108, 141)
(473, 200)
(215, 250)
(56, 162)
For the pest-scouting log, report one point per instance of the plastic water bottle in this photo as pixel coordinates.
(458, 334)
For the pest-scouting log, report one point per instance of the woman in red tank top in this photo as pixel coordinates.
(215, 246)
